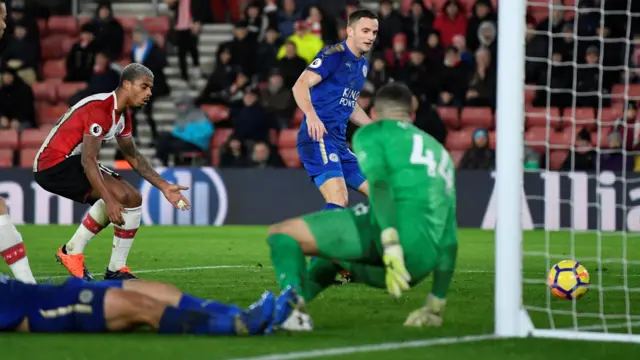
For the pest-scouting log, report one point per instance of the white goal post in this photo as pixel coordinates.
(523, 305)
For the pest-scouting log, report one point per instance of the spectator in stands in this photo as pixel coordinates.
(19, 14)
(566, 44)
(250, 120)
(537, 47)
(21, 54)
(612, 56)
(146, 52)
(265, 156)
(270, 14)
(415, 74)
(460, 43)
(433, 51)
(613, 159)
(482, 87)
(418, 25)
(428, 119)
(17, 109)
(482, 11)
(278, 101)
(450, 22)
(397, 56)
(487, 36)
(378, 75)
(555, 76)
(555, 22)
(479, 156)
(189, 15)
(223, 77)
(233, 154)
(531, 159)
(628, 125)
(104, 79)
(109, 33)
(265, 58)
(256, 24)
(191, 132)
(81, 58)
(634, 60)
(287, 18)
(454, 78)
(242, 48)
(389, 25)
(588, 81)
(307, 45)
(291, 65)
(322, 26)
(583, 157)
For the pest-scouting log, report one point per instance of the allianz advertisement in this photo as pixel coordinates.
(551, 200)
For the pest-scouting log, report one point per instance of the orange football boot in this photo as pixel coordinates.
(74, 264)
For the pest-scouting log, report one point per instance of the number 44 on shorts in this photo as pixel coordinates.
(425, 156)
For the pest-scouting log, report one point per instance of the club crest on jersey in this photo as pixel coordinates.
(364, 70)
(333, 157)
(119, 128)
(95, 130)
(316, 63)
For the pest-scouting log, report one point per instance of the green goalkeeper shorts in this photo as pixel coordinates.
(351, 237)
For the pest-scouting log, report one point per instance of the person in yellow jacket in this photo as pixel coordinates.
(308, 45)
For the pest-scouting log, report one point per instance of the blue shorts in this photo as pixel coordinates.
(327, 159)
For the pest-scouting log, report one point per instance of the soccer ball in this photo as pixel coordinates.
(568, 280)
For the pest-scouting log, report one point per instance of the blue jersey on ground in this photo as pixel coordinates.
(74, 306)
(334, 99)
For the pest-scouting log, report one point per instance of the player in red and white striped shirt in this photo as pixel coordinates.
(12, 248)
(67, 165)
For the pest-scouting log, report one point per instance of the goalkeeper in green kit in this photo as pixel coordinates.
(408, 232)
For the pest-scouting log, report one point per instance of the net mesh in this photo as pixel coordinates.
(583, 84)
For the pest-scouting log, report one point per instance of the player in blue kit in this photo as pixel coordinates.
(116, 305)
(327, 92)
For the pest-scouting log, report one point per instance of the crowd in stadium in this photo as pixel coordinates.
(583, 71)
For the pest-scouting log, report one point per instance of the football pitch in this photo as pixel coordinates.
(231, 264)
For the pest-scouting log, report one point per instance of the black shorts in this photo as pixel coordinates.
(68, 179)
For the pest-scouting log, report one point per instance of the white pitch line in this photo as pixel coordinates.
(370, 348)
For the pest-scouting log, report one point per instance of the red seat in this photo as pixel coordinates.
(540, 116)
(42, 27)
(450, 116)
(536, 138)
(273, 136)
(288, 138)
(561, 140)
(50, 114)
(529, 93)
(220, 136)
(492, 139)
(44, 91)
(68, 89)
(8, 139)
(620, 93)
(608, 116)
(27, 156)
(215, 157)
(216, 113)
(33, 138)
(290, 157)
(603, 137)
(52, 47)
(54, 69)
(298, 116)
(6, 158)
(156, 25)
(456, 156)
(476, 117)
(556, 159)
(458, 140)
(67, 44)
(67, 25)
(128, 22)
(581, 117)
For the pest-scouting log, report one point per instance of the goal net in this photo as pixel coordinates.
(581, 80)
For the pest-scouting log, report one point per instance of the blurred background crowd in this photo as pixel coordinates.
(224, 72)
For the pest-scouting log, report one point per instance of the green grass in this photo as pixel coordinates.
(349, 315)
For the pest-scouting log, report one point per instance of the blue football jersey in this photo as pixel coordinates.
(334, 98)
(16, 299)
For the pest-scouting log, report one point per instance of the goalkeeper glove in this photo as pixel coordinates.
(397, 277)
(428, 315)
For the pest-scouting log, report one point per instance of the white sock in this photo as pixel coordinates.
(123, 238)
(13, 251)
(93, 223)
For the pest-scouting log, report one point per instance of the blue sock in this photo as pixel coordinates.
(178, 321)
(332, 206)
(190, 302)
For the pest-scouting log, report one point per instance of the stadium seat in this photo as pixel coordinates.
(542, 116)
(456, 156)
(458, 140)
(288, 138)
(6, 158)
(536, 138)
(42, 27)
(220, 136)
(156, 25)
(608, 116)
(561, 140)
(290, 157)
(128, 23)
(33, 138)
(50, 114)
(67, 25)
(476, 117)
(215, 157)
(492, 139)
(54, 69)
(581, 117)
(67, 44)
(52, 47)
(556, 158)
(68, 89)
(604, 139)
(298, 115)
(529, 93)
(620, 94)
(216, 113)
(273, 136)
(450, 116)
(27, 156)
(8, 139)
(44, 91)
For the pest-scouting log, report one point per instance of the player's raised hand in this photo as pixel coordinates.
(115, 211)
(315, 127)
(175, 197)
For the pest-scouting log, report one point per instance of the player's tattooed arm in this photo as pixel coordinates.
(359, 116)
(139, 162)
